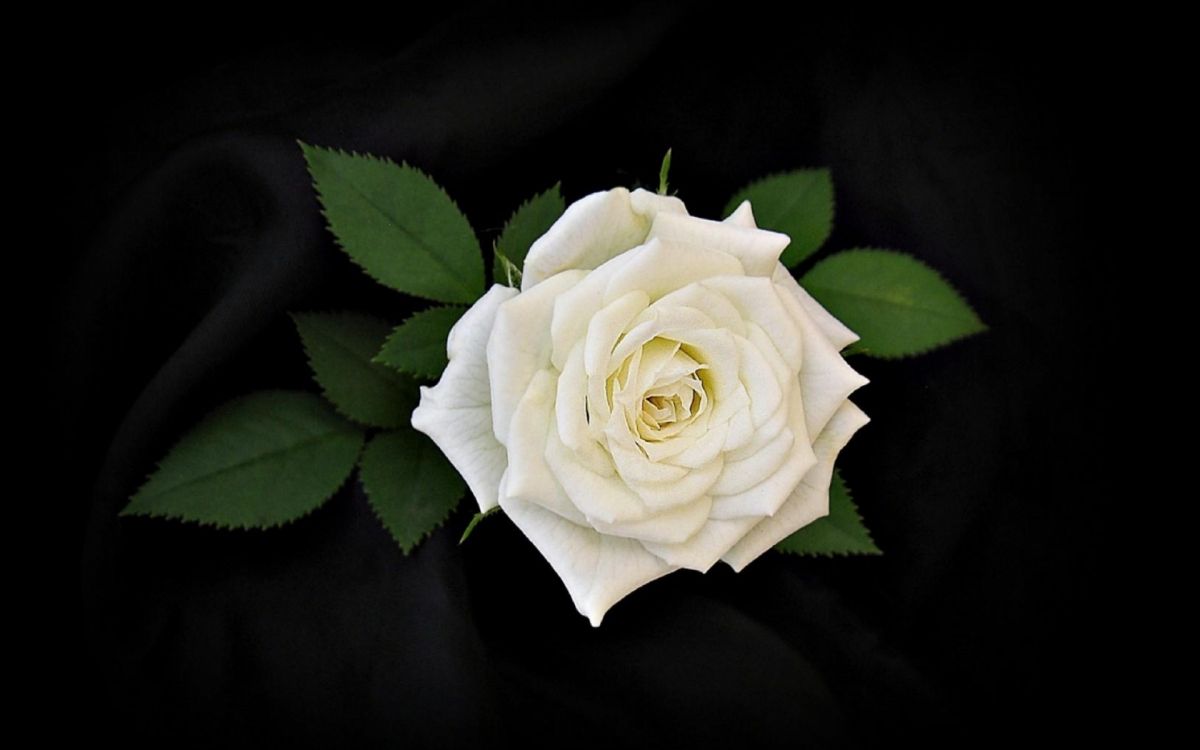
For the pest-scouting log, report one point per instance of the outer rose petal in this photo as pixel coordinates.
(835, 330)
(594, 229)
(810, 500)
(598, 570)
(457, 412)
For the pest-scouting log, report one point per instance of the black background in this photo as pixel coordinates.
(192, 228)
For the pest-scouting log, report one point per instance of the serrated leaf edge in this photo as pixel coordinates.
(412, 370)
(313, 370)
(402, 164)
(862, 351)
(405, 550)
(124, 512)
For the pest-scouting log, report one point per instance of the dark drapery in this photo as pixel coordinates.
(196, 230)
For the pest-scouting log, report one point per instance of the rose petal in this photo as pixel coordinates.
(765, 498)
(457, 412)
(810, 500)
(742, 216)
(574, 429)
(659, 267)
(607, 498)
(835, 330)
(593, 229)
(528, 477)
(519, 345)
(760, 301)
(826, 379)
(671, 526)
(703, 550)
(701, 299)
(757, 249)
(763, 385)
(598, 570)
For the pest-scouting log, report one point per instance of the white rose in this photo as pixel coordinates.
(660, 394)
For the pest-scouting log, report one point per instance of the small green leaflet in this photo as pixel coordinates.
(398, 225)
(410, 485)
(897, 305)
(528, 222)
(840, 533)
(798, 203)
(340, 347)
(418, 345)
(663, 171)
(258, 461)
(475, 519)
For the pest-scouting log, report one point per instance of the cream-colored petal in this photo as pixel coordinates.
(659, 268)
(757, 249)
(701, 299)
(519, 345)
(762, 383)
(607, 498)
(670, 526)
(529, 477)
(765, 498)
(740, 476)
(598, 569)
(826, 378)
(703, 550)
(810, 500)
(659, 496)
(593, 229)
(457, 412)
(742, 216)
(574, 428)
(835, 330)
(761, 302)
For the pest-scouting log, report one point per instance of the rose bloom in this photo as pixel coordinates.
(660, 394)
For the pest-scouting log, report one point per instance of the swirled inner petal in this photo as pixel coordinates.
(598, 569)
(758, 250)
(762, 385)
(607, 498)
(519, 345)
(700, 298)
(765, 498)
(703, 550)
(659, 268)
(593, 229)
(457, 412)
(759, 301)
(670, 526)
(571, 408)
(810, 500)
(528, 476)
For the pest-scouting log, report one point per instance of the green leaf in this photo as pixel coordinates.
(398, 225)
(418, 345)
(340, 349)
(840, 533)
(897, 305)
(662, 173)
(475, 519)
(798, 203)
(528, 222)
(258, 461)
(410, 485)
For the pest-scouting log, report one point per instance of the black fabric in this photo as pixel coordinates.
(198, 230)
